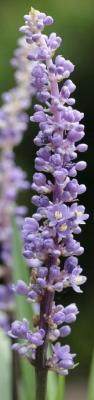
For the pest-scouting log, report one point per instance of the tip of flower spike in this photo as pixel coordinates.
(33, 11)
(45, 19)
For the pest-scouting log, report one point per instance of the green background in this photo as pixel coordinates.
(74, 21)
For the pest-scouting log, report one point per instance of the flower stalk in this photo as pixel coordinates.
(50, 247)
(13, 123)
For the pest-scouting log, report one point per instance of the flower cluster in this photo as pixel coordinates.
(13, 123)
(50, 247)
(59, 326)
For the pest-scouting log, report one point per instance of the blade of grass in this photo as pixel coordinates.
(23, 310)
(20, 271)
(90, 395)
(5, 367)
(61, 388)
(52, 386)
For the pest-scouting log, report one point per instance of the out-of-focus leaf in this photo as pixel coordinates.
(52, 386)
(90, 395)
(55, 387)
(5, 367)
(23, 310)
(28, 382)
(20, 271)
(60, 388)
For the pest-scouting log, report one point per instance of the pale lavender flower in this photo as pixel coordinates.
(50, 247)
(13, 123)
(4, 322)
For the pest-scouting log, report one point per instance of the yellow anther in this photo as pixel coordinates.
(58, 215)
(63, 227)
(78, 280)
(78, 213)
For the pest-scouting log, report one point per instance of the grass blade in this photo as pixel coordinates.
(52, 386)
(91, 381)
(61, 388)
(20, 271)
(23, 309)
(5, 367)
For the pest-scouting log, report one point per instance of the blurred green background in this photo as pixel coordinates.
(74, 21)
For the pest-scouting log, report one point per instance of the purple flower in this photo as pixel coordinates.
(50, 247)
(13, 123)
(62, 359)
(21, 288)
(19, 330)
(4, 323)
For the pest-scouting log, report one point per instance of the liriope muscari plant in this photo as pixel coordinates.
(13, 123)
(50, 246)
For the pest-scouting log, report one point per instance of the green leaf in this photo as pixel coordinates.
(61, 388)
(55, 386)
(5, 367)
(28, 381)
(51, 386)
(23, 310)
(91, 382)
(20, 271)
